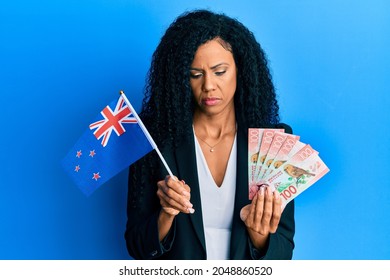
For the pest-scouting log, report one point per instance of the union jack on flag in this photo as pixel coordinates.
(99, 155)
(113, 121)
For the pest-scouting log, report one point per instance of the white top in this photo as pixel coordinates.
(217, 204)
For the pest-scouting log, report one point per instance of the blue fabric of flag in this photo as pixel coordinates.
(90, 164)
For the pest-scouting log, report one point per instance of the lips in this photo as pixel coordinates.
(211, 101)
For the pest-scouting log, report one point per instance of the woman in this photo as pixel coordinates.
(208, 83)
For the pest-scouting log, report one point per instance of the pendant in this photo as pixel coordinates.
(212, 150)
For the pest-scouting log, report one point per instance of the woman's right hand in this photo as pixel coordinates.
(174, 196)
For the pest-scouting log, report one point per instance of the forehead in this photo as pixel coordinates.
(212, 51)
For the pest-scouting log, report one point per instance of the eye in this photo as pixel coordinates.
(195, 75)
(220, 73)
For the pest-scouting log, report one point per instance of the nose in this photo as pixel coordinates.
(208, 83)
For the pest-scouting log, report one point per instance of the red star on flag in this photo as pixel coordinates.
(77, 168)
(92, 153)
(96, 176)
(78, 154)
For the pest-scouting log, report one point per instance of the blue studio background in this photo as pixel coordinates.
(62, 61)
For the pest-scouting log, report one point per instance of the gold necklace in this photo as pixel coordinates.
(211, 147)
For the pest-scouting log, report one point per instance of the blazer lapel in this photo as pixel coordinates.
(239, 242)
(187, 171)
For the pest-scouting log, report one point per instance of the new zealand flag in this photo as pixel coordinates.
(100, 154)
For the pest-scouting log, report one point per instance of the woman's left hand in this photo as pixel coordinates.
(262, 216)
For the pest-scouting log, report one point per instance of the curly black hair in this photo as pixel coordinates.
(168, 105)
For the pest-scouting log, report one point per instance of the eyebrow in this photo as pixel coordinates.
(212, 67)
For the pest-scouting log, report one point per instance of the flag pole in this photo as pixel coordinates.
(151, 141)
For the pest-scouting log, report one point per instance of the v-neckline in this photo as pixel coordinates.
(203, 158)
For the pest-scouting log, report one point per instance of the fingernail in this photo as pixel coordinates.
(191, 210)
(277, 195)
(262, 190)
(183, 182)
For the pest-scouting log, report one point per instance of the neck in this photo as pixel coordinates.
(214, 127)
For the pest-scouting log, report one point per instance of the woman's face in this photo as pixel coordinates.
(213, 78)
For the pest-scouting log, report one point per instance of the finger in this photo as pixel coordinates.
(178, 186)
(187, 190)
(245, 212)
(169, 177)
(177, 191)
(169, 199)
(170, 210)
(187, 195)
(171, 180)
(267, 209)
(249, 221)
(169, 191)
(252, 220)
(277, 212)
(260, 210)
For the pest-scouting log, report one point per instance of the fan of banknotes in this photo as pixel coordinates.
(279, 160)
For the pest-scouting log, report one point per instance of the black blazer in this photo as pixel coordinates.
(186, 238)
